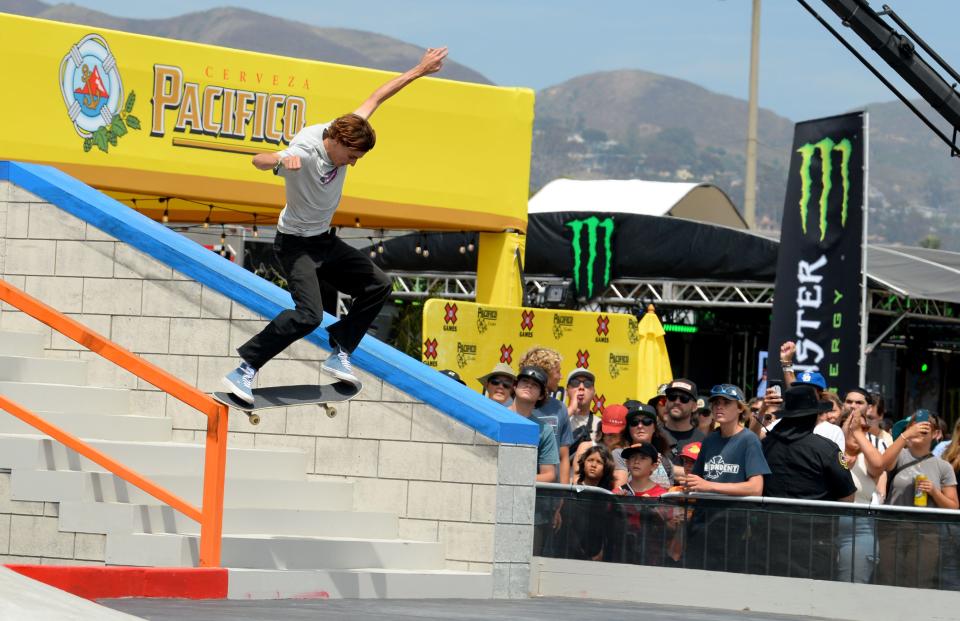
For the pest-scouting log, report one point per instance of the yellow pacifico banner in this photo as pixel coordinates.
(472, 338)
(150, 118)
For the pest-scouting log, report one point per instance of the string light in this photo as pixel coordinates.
(166, 216)
(373, 253)
(206, 223)
(471, 247)
(256, 231)
(356, 222)
(380, 246)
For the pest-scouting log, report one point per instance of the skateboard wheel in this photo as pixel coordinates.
(254, 419)
(331, 411)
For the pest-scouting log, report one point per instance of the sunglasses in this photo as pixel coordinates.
(727, 390)
(496, 381)
(577, 383)
(646, 421)
(679, 396)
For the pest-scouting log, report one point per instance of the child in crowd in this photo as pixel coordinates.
(642, 459)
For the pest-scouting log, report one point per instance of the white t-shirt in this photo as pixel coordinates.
(866, 486)
(313, 191)
(833, 433)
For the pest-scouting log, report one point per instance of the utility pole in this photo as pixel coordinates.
(750, 181)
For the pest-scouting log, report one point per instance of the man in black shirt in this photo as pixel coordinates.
(803, 464)
(806, 466)
(681, 403)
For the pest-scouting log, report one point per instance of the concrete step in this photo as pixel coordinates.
(22, 343)
(280, 552)
(95, 426)
(150, 458)
(66, 398)
(110, 517)
(358, 583)
(26, 369)
(76, 486)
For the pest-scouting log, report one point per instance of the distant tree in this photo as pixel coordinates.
(931, 241)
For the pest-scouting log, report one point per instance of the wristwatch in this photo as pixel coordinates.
(276, 169)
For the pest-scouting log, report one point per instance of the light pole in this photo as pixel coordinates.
(750, 180)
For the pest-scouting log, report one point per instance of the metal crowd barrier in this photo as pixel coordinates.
(843, 542)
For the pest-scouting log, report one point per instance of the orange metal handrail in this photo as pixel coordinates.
(210, 516)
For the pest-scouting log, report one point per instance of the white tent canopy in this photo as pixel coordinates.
(700, 202)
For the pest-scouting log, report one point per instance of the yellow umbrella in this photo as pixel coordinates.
(653, 361)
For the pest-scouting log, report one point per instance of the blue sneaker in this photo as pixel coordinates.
(240, 382)
(338, 365)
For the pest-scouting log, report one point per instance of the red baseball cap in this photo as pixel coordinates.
(614, 418)
(691, 451)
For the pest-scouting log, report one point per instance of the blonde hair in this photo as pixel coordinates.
(544, 357)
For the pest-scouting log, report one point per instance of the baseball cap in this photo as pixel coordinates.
(661, 390)
(614, 418)
(811, 378)
(637, 410)
(453, 375)
(643, 448)
(691, 451)
(581, 373)
(683, 385)
(726, 391)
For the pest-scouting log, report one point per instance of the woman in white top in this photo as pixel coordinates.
(857, 542)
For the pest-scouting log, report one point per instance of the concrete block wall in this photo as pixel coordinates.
(445, 481)
(29, 534)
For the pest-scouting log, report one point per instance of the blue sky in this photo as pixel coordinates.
(804, 72)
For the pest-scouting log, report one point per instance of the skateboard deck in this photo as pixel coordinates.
(289, 396)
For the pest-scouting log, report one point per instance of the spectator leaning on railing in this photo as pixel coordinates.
(731, 462)
(910, 557)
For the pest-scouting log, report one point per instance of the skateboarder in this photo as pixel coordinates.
(313, 168)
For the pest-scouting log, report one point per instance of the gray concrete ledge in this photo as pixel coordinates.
(739, 592)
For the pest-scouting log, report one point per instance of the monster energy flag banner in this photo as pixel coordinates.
(820, 272)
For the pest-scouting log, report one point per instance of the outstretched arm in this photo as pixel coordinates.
(431, 62)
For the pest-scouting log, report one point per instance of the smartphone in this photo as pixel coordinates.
(922, 416)
(776, 386)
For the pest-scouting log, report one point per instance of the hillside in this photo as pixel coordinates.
(248, 30)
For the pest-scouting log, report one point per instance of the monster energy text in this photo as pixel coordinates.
(591, 226)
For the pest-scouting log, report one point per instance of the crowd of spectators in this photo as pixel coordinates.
(798, 441)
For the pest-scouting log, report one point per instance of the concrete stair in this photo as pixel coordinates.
(96, 426)
(108, 517)
(25, 344)
(32, 369)
(89, 487)
(284, 535)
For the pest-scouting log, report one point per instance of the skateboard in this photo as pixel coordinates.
(322, 395)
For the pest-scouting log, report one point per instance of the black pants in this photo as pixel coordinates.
(308, 263)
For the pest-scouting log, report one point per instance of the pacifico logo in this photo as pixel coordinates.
(591, 232)
(825, 149)
(93, 94)
(234, 113)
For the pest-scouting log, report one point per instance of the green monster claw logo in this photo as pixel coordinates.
(825, 148)
(591, 224)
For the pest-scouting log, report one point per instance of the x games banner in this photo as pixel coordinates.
(818, 300)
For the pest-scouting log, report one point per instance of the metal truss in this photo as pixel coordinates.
(625, 294)
(883, 302)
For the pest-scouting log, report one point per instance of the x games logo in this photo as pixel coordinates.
(526, 324)
(450, 317)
